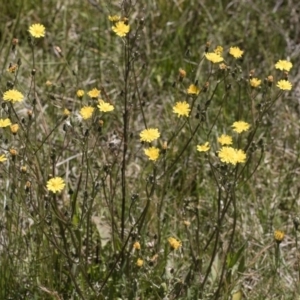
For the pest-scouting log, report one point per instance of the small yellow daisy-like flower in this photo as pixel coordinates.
(55, 184)
(2, 158)
(4, 123)
(214, 57)
(255, 82)
(152, 153)
(13, 96)
(204, 147)
(94, 93)
(86, 112)
(193, 90)
(174, 243)
(236, 52)
(139, 262)
(227, 155)
(14, 128)
(219, 50)
(37, 30)
(137, 246)
(181, 109)
(104, 106)
(149, 135)
(284, 85)
(240, 126)
(66, 112)
(80, 93)
(284, 65)
(232, 156)
(121, 29)
(240, 156)
(225, 139)
(278, 236)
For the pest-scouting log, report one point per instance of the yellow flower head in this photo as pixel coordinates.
(255, 82)
(94, 93)
(240, 126)
(13, 96)
(236, 52)
(139, 262)
(214, 57)
(149, 135)
(152, 153)
(2, 158)
(193, 90)
(204, 147)
(4, 123)
(284, 85)
(86, 112)
(114, 18)
(55, 184)
(181, 109)
(80, 94)
(121, 29)
(278, 236)
(104, 106)
(232, 156)
(219, 50)
(174, 243)
(225, 139)
(14, 128)
(284, 65)
(137, 246)
(37, 30)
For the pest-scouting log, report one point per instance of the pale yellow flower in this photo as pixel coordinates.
(94, 93)
(193, 90)
(13, 96)
(225, 139)
(236, 52)
(105, 106)
(55, 184)
(4, 122)
(174, 243)
(255, 82)
(149, 135)
(284, 65)
(240, 126)
(214, 57)
(86, 112)
(284, 85)
(121, 29)
(181, 109)
(204, 147)
(139, 262)
(37, 30)
(152, 153)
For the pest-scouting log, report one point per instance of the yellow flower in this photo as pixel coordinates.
(137, 246)
(94, 93)
(236, 52)
(37, 30)
(278, 236)
(86, 112)
(114, 18)
(152, 153)
(225, 139)
(2, 158)
(232, 156)
(255, 82)
(14, 128)
(240, 126)
(104, 106)
(181, 109)
(193, 90)
(55, 184)
(219, 50)
(284, 65)
(121, 29)
(139, 262)
(175, 244)
(214, 57)
(66, 112)
(80, 93)
(204, 147)
(13, 96)
(240, 156)
(149, 135)
(284, 85)
(5, 122)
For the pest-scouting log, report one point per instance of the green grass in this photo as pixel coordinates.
(78, 243)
